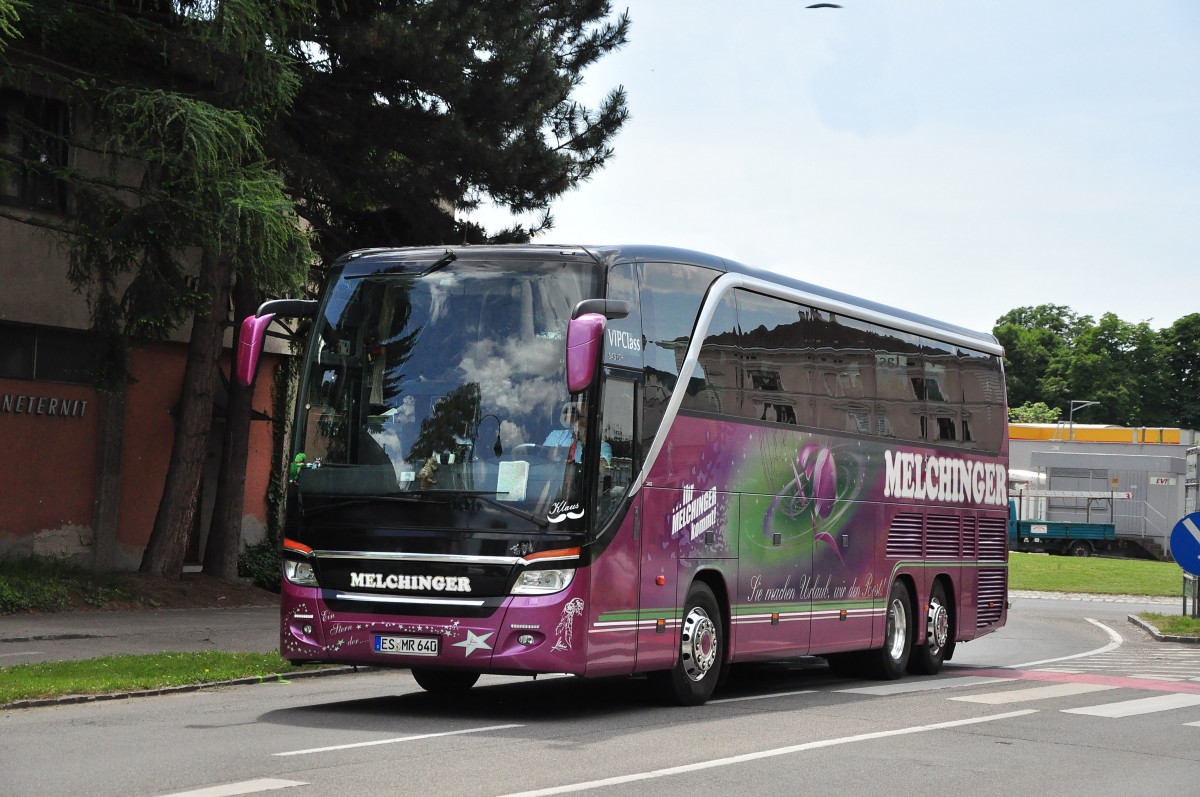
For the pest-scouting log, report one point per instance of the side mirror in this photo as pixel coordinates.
(250, 345)
(584, 337)
(254, 332)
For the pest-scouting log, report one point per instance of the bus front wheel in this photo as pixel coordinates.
(890, 661)
(701, 647)
(444, 682)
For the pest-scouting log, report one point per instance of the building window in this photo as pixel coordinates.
(46, 354)
(33, 151)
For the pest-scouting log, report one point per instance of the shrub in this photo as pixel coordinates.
(261, 563)
(37, 584)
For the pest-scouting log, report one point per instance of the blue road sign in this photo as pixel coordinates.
(1185, 543)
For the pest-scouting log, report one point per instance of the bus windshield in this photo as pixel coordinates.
(442, 391)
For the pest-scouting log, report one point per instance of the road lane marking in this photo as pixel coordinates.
(22, 653)
(1145, 705)
(1116, 640)
(396, 740)
(1034, 693)
(759, 697)
(778, 751)
(922, 686)
(243, 787)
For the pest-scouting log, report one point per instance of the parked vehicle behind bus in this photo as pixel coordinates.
(617, 460)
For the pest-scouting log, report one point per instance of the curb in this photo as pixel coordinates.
(283, 678)
(1160, 636)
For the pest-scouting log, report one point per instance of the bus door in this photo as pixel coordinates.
(616, 564)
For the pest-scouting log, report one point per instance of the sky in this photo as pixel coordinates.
(954, 158)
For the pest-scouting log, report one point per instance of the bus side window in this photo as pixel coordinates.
(671, 297)
(983, 400)
(777, 360)
(623, 336)
(900, 386)
(617, 461)
(715, 385)
(942, 391)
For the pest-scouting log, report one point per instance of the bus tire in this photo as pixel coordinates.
(444, 682)
(890, 661)
(929, 653)
(701, 649)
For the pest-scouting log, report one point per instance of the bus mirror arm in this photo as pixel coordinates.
(584, 336)
(254, 331)
(288, 308)
(609, 308)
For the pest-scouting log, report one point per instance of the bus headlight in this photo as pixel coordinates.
(299, 573)
(542, 582)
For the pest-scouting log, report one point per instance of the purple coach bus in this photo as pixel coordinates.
(616, 460)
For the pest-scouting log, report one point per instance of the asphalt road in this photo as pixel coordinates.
(1068, 699)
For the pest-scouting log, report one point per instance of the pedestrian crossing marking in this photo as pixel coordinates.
(922, 686)
(1034, 693)
(1145, 705)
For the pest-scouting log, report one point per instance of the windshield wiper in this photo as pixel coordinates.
(489, 496)
(440, 263)
(436, 265)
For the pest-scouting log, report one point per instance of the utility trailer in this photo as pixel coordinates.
(1059, 536)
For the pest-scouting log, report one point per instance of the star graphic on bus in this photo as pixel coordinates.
(474, 642)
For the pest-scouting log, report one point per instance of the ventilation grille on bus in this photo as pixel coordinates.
(904, 537)
(942, 536)
(969, 540)
(992, 594)
(993, 539)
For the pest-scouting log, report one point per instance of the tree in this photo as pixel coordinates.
(408, 112)
(1181, 364)
(174, 94)
(1138, 376)
(1112, 362)
(374, 121)
(1034, 412)
(1033, 337)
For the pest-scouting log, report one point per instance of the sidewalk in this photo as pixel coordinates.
(26, 639)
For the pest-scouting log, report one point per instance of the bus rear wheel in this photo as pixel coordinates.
(444, 682)
(927, 657)
(889, 662)
(701, 647)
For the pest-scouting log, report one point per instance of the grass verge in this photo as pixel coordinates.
(1094, 574)
(110, 674)
(1173, 624)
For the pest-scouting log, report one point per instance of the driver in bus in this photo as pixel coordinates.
(574, 435)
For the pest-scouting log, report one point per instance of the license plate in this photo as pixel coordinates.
(407, 645)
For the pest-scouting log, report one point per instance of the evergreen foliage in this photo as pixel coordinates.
(202, 132)
(410, 111)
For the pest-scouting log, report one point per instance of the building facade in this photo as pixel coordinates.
(81, 475)
(1145, 469)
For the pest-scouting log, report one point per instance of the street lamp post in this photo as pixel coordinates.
(1077, 404)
